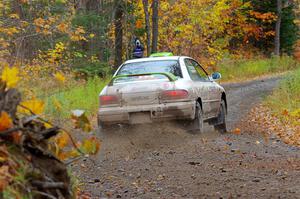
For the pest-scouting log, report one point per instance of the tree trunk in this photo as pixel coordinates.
(154, 25)
(118, 33)
(147, 21)
(24, 47)
(278, 27)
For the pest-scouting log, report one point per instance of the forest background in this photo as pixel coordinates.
(61, 53)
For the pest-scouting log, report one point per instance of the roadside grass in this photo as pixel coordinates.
(285, 101)
(83, 96)
(240, 70)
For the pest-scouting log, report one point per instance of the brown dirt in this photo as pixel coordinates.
(161, 161)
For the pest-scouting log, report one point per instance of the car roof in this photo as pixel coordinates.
(153, 59)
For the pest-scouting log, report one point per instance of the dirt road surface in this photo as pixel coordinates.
(161, 161)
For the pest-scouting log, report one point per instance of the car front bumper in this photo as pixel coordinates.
(146, 113)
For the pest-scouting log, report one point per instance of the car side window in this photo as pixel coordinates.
(195, 71)
(200, 70)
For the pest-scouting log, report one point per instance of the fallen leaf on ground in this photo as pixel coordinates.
(237, 131)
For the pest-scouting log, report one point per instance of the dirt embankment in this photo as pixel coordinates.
(159, 161)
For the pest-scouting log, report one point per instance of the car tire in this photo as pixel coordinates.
(198, 122)
(221, 120)
(104, 128)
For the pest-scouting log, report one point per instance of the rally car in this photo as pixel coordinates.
(157, 89)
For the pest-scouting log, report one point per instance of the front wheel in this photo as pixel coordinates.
(221, 120)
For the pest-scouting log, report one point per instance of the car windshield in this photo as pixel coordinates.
(163, 66)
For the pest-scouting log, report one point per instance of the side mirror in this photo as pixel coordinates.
(216, 76)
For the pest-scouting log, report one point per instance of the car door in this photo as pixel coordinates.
(214, 91)
(204, 88)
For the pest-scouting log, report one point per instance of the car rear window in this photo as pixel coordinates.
(165, 66)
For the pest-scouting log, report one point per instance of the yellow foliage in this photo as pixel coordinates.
(81, 121)
(51, 20)
(4, 43)
(62, 139)
(46, 32)
(55, 55)
(79, 30)
(44, 26)
(47, 125)
(201, 29)
(5, 121)
(94, 59)
(78, 38)
(34, 105)
(14, 16)
(9, 31)
(24, 24)
(78, 35)
(57, 104)
(10, 76)
(92, 36)
(59, 77)
(39, 22)
(63, 28)
(69, 154)
(296, 114)
(90, 146)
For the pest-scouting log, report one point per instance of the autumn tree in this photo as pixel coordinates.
(155, 5)
(204, 29)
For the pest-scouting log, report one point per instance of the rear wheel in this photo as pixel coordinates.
(198, 122)
(105, 129)
(221, 120)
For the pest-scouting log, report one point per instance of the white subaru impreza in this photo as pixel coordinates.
(162, 89)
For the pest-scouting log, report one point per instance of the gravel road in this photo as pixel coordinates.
(161, 161)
